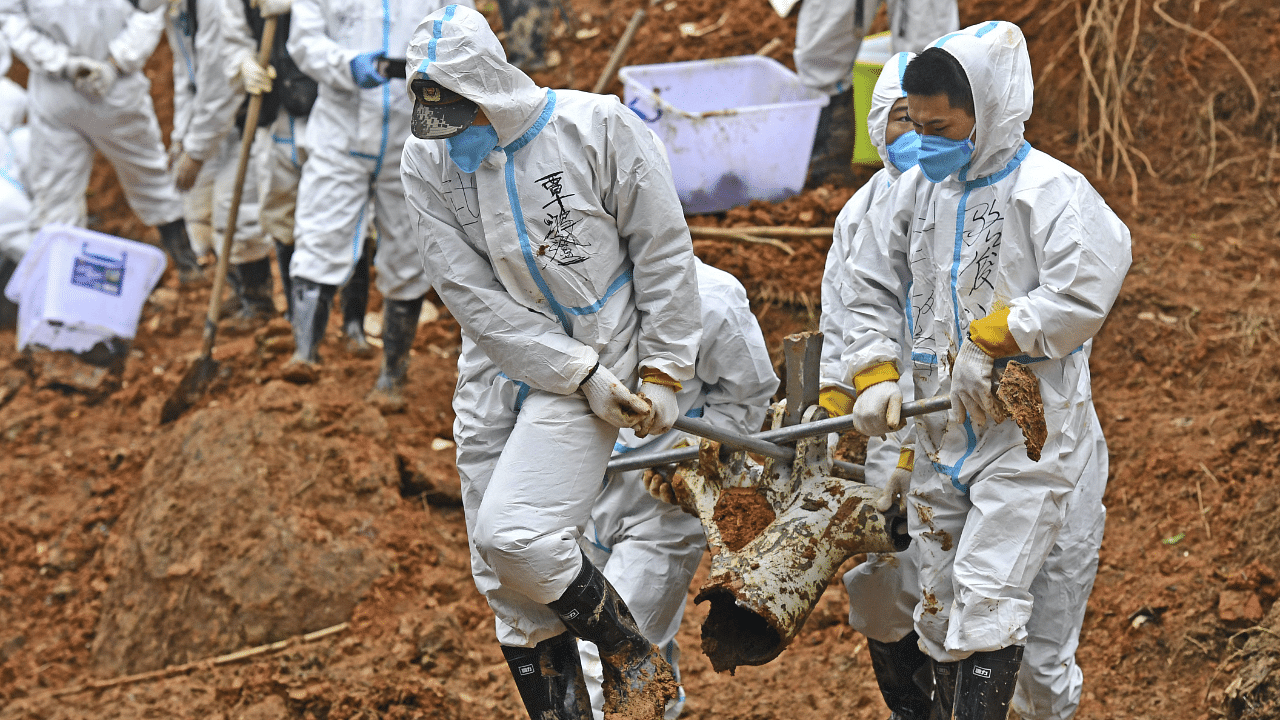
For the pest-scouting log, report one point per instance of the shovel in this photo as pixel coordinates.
(205, 368)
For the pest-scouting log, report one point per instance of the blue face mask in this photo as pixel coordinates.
(902, 152)
(470, 147)
(941, 157)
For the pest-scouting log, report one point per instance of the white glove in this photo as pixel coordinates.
(267, 8)
(612, 402)
(91, 78)
(971, 387)
(175, 152)
(662, 399)
(895, 491)
(878, 409)
(256, 79)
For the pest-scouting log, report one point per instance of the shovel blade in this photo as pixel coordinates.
(190, 389)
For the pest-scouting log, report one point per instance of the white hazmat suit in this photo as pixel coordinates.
(829, 34)
(1012, 230)
(565, 249)
(649, 549)
(206, 99)
(354, 138)
(15, 200)
(67, 126)
(884, 591)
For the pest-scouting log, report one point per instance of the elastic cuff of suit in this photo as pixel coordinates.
(836, 401)
(907, 459)
(590, 373)
(992, 335)
(875, 374)
(657, 377)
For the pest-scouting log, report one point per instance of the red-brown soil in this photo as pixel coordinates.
(269, 510)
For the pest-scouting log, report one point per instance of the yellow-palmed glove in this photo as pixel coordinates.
(895, 491)
(837, 401)
(878, 409)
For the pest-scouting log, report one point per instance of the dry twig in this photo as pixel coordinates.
(1253, 89)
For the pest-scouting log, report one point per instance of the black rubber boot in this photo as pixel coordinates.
(832, 158)
(8, 309)
(549, 678)
(399, 326)
(638, 681)
(252, 283)
(896, 665)
(944, 689)
(284, 256)
(173, 237)
(311, 304)
(355, 303)
(985, 683)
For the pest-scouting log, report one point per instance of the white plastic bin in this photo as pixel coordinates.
(76, 287)
(736, 129)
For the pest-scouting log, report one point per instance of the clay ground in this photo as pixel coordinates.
(271, 510)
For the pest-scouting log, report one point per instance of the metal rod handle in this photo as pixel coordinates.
(769, 438)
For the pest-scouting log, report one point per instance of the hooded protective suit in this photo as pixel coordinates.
(205, 100)
(1013, 229)
(884, 591)
(566, 247)
(649, 549)
(829, 34)
(354, 139)
(66, 126)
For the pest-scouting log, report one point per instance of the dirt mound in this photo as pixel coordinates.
(255, 525)
(1186, 378)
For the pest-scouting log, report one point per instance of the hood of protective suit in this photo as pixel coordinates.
(887, 91)
(994, 57)
(455, 47)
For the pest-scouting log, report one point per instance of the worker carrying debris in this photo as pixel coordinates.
(987, 251)
(87, 92)
(829, 35)
(647, 547)
(551, 229)
(884, 590)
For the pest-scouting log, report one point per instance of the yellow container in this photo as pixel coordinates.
(872, 56)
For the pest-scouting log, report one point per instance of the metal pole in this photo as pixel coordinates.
(769, 438)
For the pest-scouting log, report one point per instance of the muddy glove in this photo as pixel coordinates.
(364, 69)
(971, 387)
(657, 480)
(878, 409)
(268, 8)
(91, 78)
(611, 401)
(185, 171)
(256, 79)
(664, 408)
(895, 491)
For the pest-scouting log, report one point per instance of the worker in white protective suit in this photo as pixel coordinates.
(355, 134)
(648, 548)
(828, 36)
(213, 70)
(987, 251)
(551, 229)
(884, 590)
(86, 91)
(15, 202)
(282, 153)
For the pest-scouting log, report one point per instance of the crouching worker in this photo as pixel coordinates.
(989, 251)
(550, 228)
